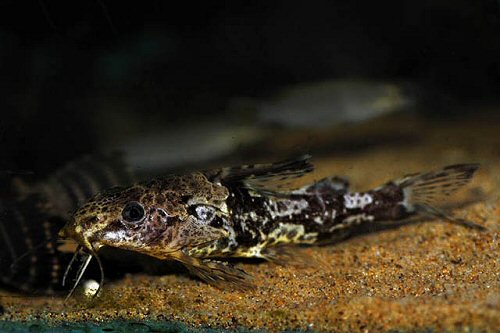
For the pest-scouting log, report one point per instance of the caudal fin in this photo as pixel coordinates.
(424, 191)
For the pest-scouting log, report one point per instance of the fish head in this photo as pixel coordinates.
(157, 218)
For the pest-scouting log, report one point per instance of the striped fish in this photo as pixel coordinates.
(31, 257)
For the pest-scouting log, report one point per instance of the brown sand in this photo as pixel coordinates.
(422, 276)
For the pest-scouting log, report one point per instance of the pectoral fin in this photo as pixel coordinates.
(217, 273)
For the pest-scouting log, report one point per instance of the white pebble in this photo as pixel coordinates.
(90, 288)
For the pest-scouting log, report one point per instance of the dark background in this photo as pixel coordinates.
(181, 61)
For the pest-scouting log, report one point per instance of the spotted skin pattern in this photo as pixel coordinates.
(201, 218)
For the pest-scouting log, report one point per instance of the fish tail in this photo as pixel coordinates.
(423, 192)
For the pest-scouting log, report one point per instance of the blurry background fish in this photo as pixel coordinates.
(155, 144)
(329, 103)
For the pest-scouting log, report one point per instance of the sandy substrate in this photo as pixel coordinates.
(430, 275)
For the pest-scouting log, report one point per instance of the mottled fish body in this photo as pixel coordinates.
(203, 217)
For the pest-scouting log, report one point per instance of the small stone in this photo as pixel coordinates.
(90, 288)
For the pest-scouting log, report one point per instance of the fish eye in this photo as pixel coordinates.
(133, 212)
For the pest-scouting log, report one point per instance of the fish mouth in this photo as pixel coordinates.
(75, 232)
(86, 249)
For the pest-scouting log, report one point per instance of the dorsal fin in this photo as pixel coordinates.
(264, 178)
